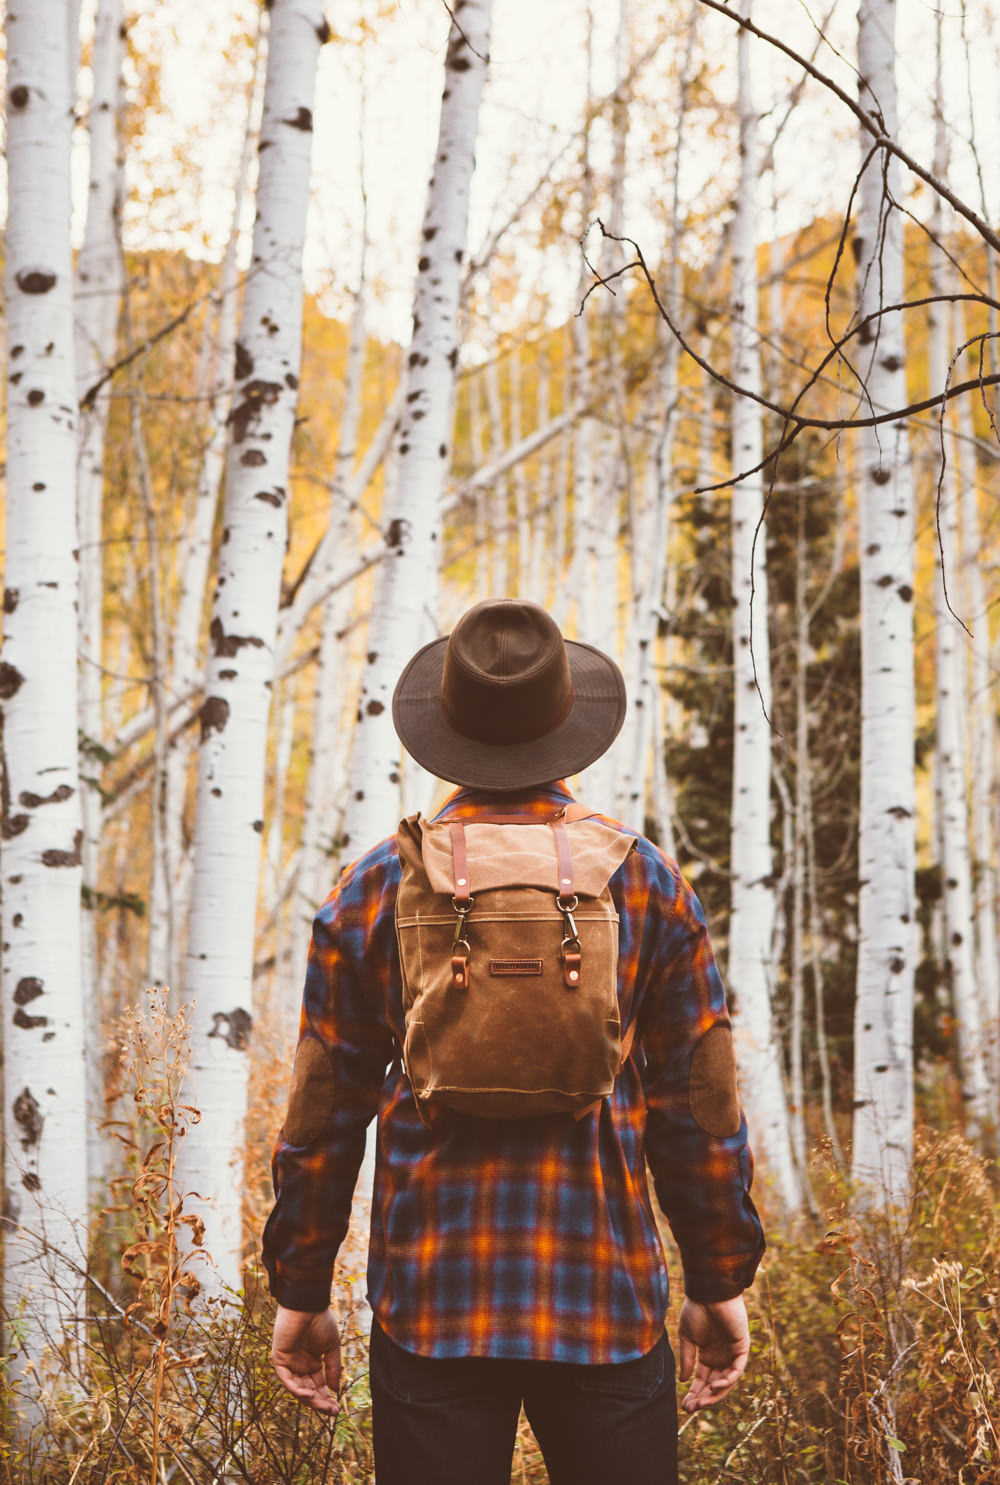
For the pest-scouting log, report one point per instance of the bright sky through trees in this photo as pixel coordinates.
(531, 110)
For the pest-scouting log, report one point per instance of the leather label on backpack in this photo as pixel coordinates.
(515, 966)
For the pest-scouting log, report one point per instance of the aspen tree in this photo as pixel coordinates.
(883, 1022)
(316, 845)
(45, 1159)
(97, 304)
(751, 923)
(648, 593)
(411, 509)
(982, 748)
(240, 667)
(956, 866)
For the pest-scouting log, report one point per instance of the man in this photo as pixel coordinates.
(514, 1259)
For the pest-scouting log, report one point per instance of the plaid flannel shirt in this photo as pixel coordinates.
(528, 1238)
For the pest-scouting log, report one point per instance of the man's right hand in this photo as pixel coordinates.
(714, 1345)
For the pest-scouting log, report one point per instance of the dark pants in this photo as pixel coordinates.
(453, 1421)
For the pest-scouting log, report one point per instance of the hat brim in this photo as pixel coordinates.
(594, 722)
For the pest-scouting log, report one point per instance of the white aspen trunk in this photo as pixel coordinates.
(500, 491)
(982, 749)
(598, 619)
(751, 923)
(542, 522)
(480, 495)
(45, 1154)
(192, 566)
(883, 1026)
(519, 482)
(560, 576)
(956, 865)
(97, 303)
(648, 597)
(411, 510)
(315, 874)
(240, 667)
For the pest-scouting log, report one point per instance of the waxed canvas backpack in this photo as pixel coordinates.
(508, 942)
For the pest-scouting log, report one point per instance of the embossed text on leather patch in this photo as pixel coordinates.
(515, 966)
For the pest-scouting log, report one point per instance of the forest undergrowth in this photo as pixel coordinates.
(876, 1342)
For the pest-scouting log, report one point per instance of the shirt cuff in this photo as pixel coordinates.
(726, 1281)
(300, 1294)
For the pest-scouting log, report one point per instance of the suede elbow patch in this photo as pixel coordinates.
(311, 1095)
(712, 1090)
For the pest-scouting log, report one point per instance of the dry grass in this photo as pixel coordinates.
(876, 1344)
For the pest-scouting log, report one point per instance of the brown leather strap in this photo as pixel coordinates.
(627, 1041)
(460, 857)
(576, 811)
(565, 858)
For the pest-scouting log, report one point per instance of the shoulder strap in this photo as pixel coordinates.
(574, 810)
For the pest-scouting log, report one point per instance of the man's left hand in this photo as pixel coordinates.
(305, 1353)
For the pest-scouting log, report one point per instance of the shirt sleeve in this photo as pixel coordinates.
(343, 1049)
(697, 1143)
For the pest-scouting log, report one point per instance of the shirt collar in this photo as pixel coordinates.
(527, 802)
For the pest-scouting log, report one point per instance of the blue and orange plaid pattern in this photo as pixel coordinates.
(525, 1238)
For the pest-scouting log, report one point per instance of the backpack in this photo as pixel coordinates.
(508, 943)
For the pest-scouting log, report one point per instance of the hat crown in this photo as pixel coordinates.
(506, 676)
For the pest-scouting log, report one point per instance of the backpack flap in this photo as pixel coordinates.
(510, 998)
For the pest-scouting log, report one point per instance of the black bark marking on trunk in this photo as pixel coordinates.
(413, 396)
(374, 708)
(28, 1023)
(35, 397)
(258, 825)
(32, 801)
(11, 597)
(323, 32)
(228, 675)
(271, 497)
(257, 395)
(423, 264)
(18, 919)
(303, 120)
(244, 362)
(394, 777)
(54, 857)
(399, 531)
(233, 1027)
(453, 357)
(429, 233)
(892, 363)
(13, 825)
(11, 680)
(881, 476)
(359, 794)
(898, 812)
(442, 450)
(228, 645)
(214, 715)
(30, 1180)
(883, 582)
(19, 96)
(15, 377)
(252, 459)
(28, 1117)
(905, 592)
(35, 280)
(41, 485)
(291, 380)
(372, 656)
(404, 448)
(216, 793)
(28, 989)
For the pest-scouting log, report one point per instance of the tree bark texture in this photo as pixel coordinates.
(97, 305)
(45, 1161)
(411, 512)
(240, 666)
(751, 923)
(883, 1026)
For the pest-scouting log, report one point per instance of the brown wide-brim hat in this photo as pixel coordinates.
(505, 702)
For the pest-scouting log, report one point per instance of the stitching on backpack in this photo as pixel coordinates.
(516, 966)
